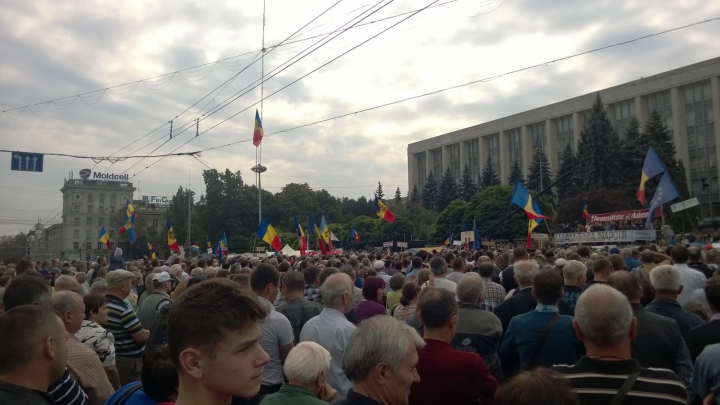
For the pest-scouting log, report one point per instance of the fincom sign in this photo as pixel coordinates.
(85, 174)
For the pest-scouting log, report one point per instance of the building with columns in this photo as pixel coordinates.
(687, 98)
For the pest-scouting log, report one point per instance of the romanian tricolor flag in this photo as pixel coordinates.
(313, 228)
(103, 237)
(258, 131)
(382, 211)
(268, 234)
(449, 240)
(172, 242)
(533, 223)
(651, 168)
(521, 197)
(224, 245)
(355, 235)
(302, 242)
(130, 215)
(585, 211)
(325, 233)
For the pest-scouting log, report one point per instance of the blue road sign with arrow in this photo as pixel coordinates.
(27, 162)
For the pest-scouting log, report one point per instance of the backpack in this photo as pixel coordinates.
(158, 330)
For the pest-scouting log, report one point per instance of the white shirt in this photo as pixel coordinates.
(332, 331)
(691, 279)
(444, 284)
(385, 278)
(276, 332)
(455, 276)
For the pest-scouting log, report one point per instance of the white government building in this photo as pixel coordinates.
(687, 98)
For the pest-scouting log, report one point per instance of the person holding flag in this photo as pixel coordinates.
(354, 235)
(267, 233)
(382, 211)
(103, 237)
(652, 167)
(172, 242)
(129, 222)
(302, 242)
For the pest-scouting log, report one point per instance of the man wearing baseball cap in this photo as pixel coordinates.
(160, 297)
(379, 267)
(130, 336)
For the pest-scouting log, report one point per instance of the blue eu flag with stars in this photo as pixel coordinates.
(666, 192)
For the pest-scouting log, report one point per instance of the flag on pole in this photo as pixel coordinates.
(382, 211)
(355, 235)
(666, 192)
(521, 197)
(209, 245)
(302, 242)
(103, 237)
(151, 247)
(533, 223)
(224, 245)
(129, 222)
(478, 242)
(172, 242)
(267, 233)
(258, 131)
(195, 247)
(218, 251)
(651, 168)
(449, 240)
(585, 209)
(313, 229)
(325, 233)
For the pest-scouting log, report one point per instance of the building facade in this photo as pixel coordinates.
(687, 98)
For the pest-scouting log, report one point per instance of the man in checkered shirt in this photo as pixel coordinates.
(494, 292)
(312, 284)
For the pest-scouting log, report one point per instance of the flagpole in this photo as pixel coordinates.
(189, 215)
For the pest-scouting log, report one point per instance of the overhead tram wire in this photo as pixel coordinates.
(254, 61)
(220, 61)
(293, 82)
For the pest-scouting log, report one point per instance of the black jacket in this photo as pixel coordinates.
(701, 336)
(521, 302)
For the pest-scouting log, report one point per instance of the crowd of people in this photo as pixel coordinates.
(499, 326)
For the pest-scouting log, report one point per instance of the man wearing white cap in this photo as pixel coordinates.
(160, 297)
(379, 267)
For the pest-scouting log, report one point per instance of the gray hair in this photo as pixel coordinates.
(470, 288)
(438, 266)
(99, 286)
(64, 301)
(604, 315)
(348, 269)
(524, 271)
(67, 283)
(334, 288)
(305, 362)
(666, 279)
(197, 272)
(572, 270)
(380, 339)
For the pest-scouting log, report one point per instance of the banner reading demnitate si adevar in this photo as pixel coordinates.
(605, 237)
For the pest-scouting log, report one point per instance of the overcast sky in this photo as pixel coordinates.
(51, 50)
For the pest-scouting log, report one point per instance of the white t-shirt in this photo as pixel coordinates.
(442, 283)
(276, 332)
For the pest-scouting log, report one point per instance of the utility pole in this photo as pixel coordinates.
(189, 216)
(259, 168)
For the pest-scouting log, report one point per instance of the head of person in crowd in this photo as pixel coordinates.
(312, 276)
(604, 322)
(293, 285)
(325, 273)
(397, 281)
(264, 281)
(423, 276)
(627, 283)
(374, 289)
(470, 289)
(68, 283)
(27, 290)
(602, 269)
(711, 256)
(162, 282)
(547, 287)
(616, 261)
(23, 266)
(647, 257)
(71, 308)
(337, 292)
(679, 254)
(119, 283)
(380, 360)
(158, 376)
(81, 277)
(695, 254)
(524, 271)
(486, 270)
(519, 254)
(574, 273)
(99, 286)
(666, 282)
(214, 341)
(583, 251)
(307, 366)
(33, 347)
(540, 386)
(96, 308)
(438, 267)
(437, 312)
(350, 271)
(697, 308)
(410, 294)
(417, 263)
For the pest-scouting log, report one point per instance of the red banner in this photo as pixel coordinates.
(621, 216)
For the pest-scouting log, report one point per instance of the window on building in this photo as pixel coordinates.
(112, 200)
(660, 102)
(100, 245)
(539, 140)
(515, 147)
(88, 246)
(76, 221)
(101, 221)
(436, 160)
(101, 210)
(112, 210)
(76, 245)
(112, 245)
(89, 222)
(455, 161)
(701, 150)
(76, 208)
(474, 159)
(89, 209)
(76, 233)
(90, 199)
(112, 234)
(156, 222)
(494, 152)
(421, 170)
(101, 199)
(623, 112)
(564, 135)
(88, 234)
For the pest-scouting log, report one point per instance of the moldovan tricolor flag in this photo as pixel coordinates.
(651, 168)
(585, 211)
(258, 132)
(521, 197)
(103, 237)
(172, 242)
(267, 233)
(129, 222)
(355, 235)
(302, 242)
(382, 211)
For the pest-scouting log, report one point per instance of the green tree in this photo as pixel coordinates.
(451, 220)
(539, 174)
(566, 185)
(448, 191)
(468, 188)
(599, 151)
(178, 214)
(398, 196)
(516, 174)
(634, 147)
(430, 192)
(489, 177)
(379, 193)
(415, 195)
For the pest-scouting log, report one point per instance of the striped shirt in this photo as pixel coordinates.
(67, 392)
(123, 323)
(596, 382)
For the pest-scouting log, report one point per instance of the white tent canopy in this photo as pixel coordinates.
(287, 250)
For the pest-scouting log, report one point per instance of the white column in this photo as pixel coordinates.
(641, 111)
(677, 103)
(503, 157)
(527, 149)
(577, 129)
(715, 91)
(463, 155)
(412, 170)
(551, 147)
(445, 160)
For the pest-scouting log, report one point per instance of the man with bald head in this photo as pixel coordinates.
(84, 364)
(609, 373)
(659, 343)
(33, 353)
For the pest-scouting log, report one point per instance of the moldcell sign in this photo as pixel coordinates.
(85, 174)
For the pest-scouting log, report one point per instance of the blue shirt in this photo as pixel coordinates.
(632, 263)
(138, 397)
(707, 371)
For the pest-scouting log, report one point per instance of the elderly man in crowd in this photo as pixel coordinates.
(331, 329)
(380, 360)
(604, 323)
(33, 354)
(666, 284)
(574, 276)
(478, 331)
(159, 298)
(691, 279)
(438, 267)
(84, 364)
(306, 369)
(68, 283)
(494, 292)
